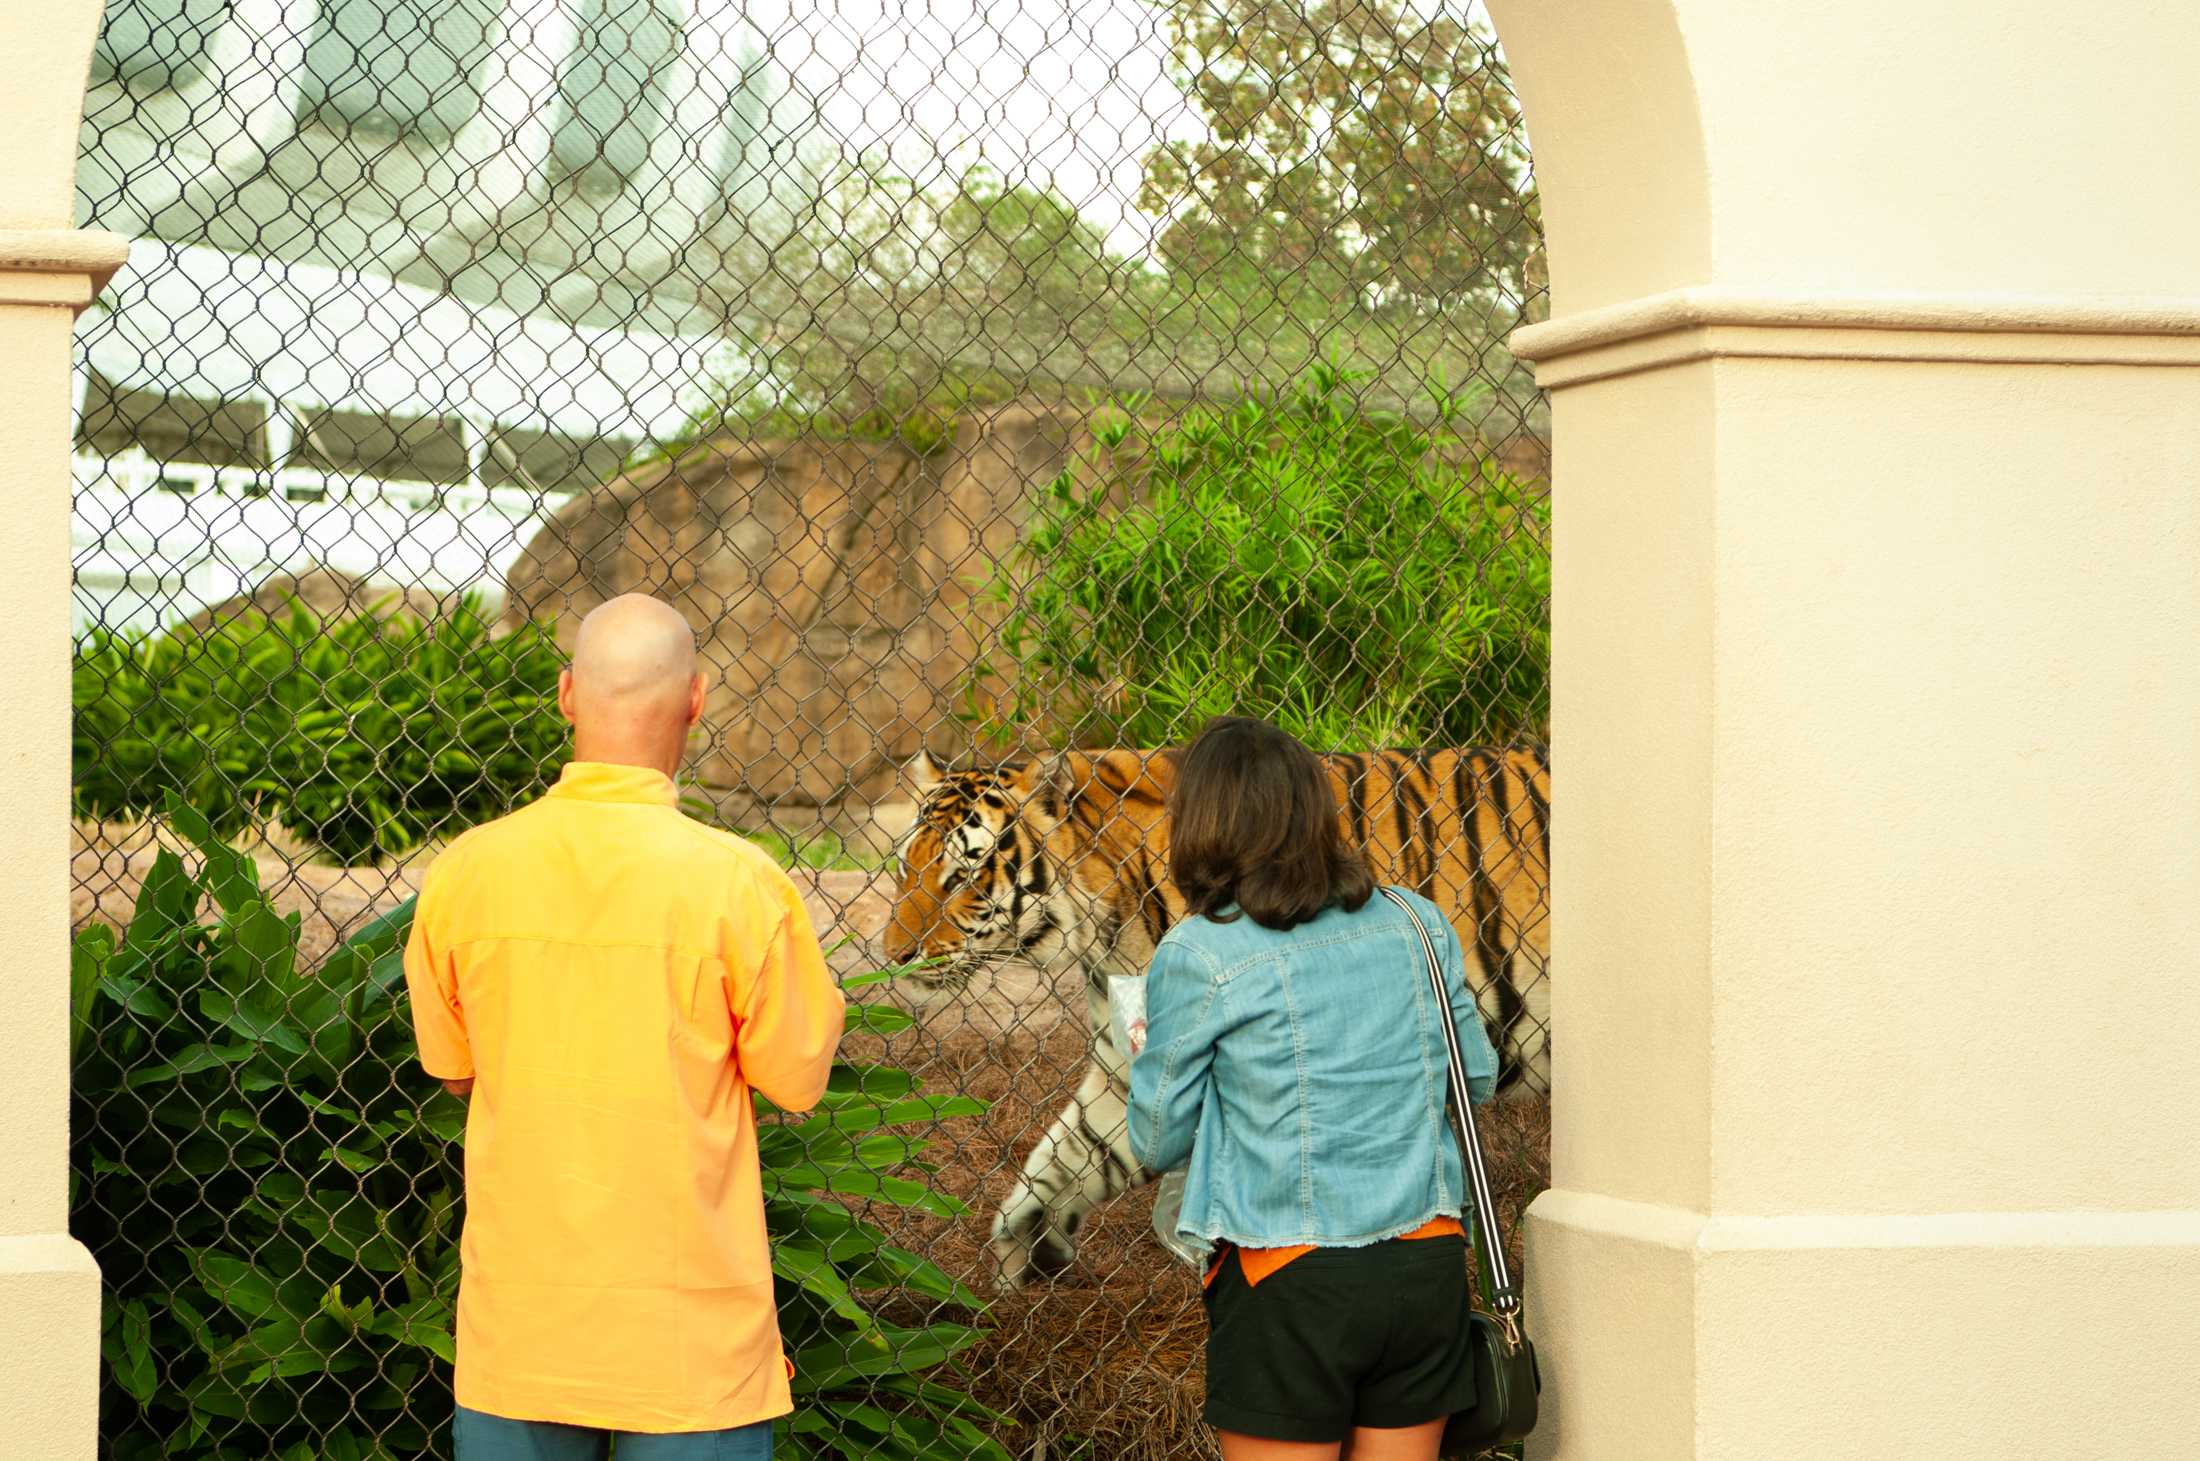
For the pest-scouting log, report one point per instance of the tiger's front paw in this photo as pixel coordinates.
(1028, 1244)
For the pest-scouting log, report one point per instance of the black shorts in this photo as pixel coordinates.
(1342, 1337)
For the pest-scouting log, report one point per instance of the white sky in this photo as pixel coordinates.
(1075, 92)
(1072, 92)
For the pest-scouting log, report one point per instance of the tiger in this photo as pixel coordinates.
(1062, 860)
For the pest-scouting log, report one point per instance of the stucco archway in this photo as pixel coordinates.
(1875, 692)
(1844, 301)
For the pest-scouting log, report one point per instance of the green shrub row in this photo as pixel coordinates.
(363, 738)
(272, 1189)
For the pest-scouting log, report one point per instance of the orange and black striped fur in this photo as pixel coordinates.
(1065, 860)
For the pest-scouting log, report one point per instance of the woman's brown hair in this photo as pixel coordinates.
(1253, 821)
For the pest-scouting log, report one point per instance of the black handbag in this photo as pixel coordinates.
(1507, 1384)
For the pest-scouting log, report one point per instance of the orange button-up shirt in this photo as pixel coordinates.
(617, 978)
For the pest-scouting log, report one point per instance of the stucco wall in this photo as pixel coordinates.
(49, 1288)
(1875, 689)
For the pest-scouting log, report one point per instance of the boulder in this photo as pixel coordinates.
(330, 596)
(833, 584)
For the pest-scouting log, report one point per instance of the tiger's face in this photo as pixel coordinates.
(974, 885)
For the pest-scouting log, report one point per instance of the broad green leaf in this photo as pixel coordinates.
(351, 1316)
(813, 1272)
(833, 1363)
(262, 952)
(230, 874)
(88, 956)
(891, 972)
(889, 1265)
(130, 1356)
(217, 1397)
(423, 1324)
(874, 1082)
(168, 900)
(941, 1398)
(289, 1346)
(194, 1323)
(357, 956)
(353, 1161)
(854, 1117)
(854, 1182)
(346, 1445)
(259, 1014)
(194, 1058)
(236, 1284)
(236, 1120)
(877, 1019)
(136, 996)
(346, 1226)
(446, 1118)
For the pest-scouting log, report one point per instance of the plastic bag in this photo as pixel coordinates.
(1127, 1013)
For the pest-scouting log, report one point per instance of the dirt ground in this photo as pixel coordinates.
(1103, 1363)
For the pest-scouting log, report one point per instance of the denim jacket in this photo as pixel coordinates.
(1301, 1075)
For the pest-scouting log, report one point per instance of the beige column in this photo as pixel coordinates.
(1875, 370)
(49, 1288)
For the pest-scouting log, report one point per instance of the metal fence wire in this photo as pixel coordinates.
(1001, 389)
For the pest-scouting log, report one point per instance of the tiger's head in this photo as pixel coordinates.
(974, 885)
(1042, 860)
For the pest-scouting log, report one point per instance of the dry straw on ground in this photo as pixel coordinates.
(1106, 1361)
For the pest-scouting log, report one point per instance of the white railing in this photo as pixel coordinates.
(154, 542)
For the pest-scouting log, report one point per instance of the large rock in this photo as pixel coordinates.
(329, 596)
(833, 584)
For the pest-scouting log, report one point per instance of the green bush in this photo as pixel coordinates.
(1355, 578)
(812, 847)
(272, 1189)
(364, 738)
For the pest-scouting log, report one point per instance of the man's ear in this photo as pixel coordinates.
(565, 694)
(696, 696)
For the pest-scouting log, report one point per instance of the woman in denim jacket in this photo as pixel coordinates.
(1294, 1060)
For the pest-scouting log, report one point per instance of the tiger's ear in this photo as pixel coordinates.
(1064, 773)
(921, 773)
(1074, 774)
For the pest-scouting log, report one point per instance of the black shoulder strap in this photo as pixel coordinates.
(1504, 1294)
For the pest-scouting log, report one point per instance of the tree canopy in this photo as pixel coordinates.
(1372, 151)
(1358, 192)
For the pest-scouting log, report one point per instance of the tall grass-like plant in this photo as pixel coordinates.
(273, 1190)
(364, 738)
(1345, 573)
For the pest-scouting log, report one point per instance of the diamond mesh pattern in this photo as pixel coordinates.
(986, 379)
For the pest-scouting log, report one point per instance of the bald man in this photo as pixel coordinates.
(607, 981)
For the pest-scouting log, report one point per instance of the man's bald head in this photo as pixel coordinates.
(632, 691)
(633, 647)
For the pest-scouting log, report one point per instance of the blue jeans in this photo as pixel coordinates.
(483, 1437)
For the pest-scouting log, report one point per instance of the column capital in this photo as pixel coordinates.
(67, 266)
(1709, 321)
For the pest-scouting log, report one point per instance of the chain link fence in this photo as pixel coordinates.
(1000, 390)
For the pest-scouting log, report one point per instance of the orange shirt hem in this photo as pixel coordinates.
(1260, 1263)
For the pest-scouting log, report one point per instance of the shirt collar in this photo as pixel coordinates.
(605, 781)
